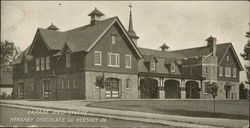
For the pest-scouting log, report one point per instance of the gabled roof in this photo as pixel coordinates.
(162, 54)
(221, 50)
(21, 56)
(81, 39)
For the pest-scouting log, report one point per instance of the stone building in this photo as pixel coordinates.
(101, 60)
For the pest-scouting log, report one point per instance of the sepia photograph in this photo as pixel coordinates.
(136, 64)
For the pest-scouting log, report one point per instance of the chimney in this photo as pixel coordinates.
(53, 27)
(211, 44)
(95, 16)
(164, 47)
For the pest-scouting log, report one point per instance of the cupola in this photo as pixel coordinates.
(53, 27)
(164, 47)
(95, 16)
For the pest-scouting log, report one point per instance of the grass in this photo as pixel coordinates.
(230, 109)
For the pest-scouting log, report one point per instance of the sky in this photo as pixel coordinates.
(179, 24)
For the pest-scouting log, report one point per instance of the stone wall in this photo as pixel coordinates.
(94, 92)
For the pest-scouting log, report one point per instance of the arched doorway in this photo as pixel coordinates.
(192, 90)
(149, 88)
(112, 88)
(172, 89)
(228, 91)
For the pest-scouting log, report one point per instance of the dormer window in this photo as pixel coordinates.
(172, 67)
(152, 66)
(113, 39)
(67, 60)
(25, 67)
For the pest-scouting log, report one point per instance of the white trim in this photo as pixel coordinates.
(47, 61)
(234, 72)
(154, 67)
(38, 64)
(100, 59)
(130, 64)
(42, 63)
(220, 70)
(126, 34)
(173, 65)
(117, 56)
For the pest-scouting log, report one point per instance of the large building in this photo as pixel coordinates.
(101, 60)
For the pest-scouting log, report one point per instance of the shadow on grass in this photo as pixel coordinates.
(200, 114)
(180, 112)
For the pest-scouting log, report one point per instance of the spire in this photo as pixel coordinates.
(130, 28)
(131, 31)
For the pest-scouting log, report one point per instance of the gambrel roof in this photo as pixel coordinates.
(82, 38)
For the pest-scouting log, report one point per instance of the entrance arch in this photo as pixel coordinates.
(192, 90)
(149, 88)
(228, 91)
(172, 89)
(112, 88)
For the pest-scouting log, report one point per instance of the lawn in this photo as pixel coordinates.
(231, 109)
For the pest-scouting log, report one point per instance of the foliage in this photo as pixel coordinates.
(213, 89)
(100, 81)
(243, 91)
(9, 52)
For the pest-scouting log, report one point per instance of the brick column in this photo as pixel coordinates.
(183, 91)
(161, 91)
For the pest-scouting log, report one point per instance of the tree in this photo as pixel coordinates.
(246, 55)
(243, 91)
(9, 52)
(213, 90)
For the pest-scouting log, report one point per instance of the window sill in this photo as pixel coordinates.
(128, 67)
(98, 64)
(113, 66)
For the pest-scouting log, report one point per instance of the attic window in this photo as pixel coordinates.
(68, 60)
(227, 58)
(113, 39)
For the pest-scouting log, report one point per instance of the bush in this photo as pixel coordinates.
(4, 95)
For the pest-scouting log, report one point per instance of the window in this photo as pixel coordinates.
(172, 67)
(220, 71)
(206, 70)
(127, 83)
(127, 61)
(113, 59)
(21, 90)
(42, 63)
(25, 67)
(234, 72)
(32, 86)
(37, 64)
(47, 62)
(228, 71)
(113, 39)
(206, 87)
(74, 83)
(152, 66)
(67, 60)
(227, 58)
(65, 84)
(46, 86)
(98, 58)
